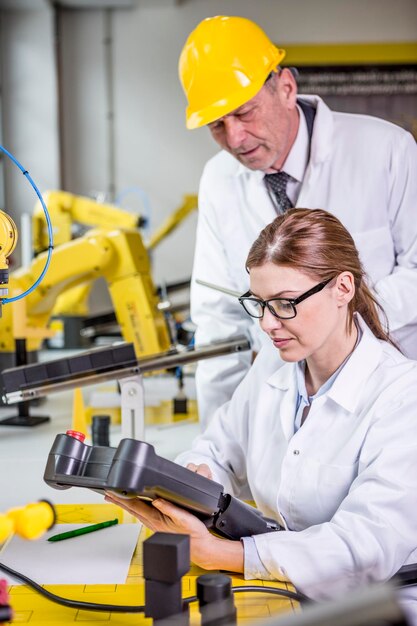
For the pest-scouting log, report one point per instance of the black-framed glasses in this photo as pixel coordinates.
(283, 308)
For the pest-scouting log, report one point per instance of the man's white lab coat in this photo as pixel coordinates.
(364, 171)
(344, 485)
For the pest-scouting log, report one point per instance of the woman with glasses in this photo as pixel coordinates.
(327, 443)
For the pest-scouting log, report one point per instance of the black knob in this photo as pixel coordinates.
(213, 588)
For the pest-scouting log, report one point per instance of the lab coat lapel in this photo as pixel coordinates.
(320, 152)
(257, 196)
(285, 380)
(349, 386)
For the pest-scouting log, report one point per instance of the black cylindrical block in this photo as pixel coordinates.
(100, 430)
(213, 588)
(215, 599)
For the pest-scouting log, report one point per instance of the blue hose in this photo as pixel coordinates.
(48, 221)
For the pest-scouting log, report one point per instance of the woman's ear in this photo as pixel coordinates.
(345, 288)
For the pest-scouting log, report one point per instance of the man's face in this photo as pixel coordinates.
(260, 133)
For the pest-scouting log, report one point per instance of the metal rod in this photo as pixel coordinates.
(80, 381)
(229, 292)
(166, 360)
(169, 360)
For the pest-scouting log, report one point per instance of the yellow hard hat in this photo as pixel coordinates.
(224, 63)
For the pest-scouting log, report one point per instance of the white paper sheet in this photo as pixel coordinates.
(99, 558)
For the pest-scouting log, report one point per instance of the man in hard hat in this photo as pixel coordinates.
(281, 150)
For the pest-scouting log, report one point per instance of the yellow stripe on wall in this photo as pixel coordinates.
(351, 54)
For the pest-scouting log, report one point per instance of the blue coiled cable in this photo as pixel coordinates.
(48, 222)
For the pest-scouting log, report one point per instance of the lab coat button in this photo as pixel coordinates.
(296, 452)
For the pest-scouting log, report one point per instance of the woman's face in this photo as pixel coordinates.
(320, 324)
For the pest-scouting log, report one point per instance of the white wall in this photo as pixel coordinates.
(29, 121)
(153, 150)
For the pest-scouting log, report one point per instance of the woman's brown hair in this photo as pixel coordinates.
(316, 243)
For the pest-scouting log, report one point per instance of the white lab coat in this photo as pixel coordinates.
(364, 171)
(344, 485)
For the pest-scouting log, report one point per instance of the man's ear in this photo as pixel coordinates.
(287, 86)
(345, 288)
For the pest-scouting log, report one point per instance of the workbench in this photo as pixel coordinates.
(31, 608)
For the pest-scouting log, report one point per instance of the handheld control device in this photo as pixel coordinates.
(133, 469)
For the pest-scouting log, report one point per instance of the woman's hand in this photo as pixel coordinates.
(207, 551)
(201, 469)
(161, 516)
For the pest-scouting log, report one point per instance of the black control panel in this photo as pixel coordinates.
(133, 469)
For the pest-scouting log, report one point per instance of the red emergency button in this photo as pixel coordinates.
(76, 434)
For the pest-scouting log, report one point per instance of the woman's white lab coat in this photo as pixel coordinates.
(344, 485)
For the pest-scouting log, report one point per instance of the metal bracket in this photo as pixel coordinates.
(133, 407)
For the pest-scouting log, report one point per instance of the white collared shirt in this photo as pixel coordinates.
(296, 162)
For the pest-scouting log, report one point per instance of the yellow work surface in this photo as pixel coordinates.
(31, 608)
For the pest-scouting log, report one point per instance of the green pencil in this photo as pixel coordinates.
(83, 531)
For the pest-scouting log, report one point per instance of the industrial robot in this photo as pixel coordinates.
(117, 256)
(71, 215)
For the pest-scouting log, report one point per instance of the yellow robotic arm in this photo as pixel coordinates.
(73, 302)
(173, 220)
(66, 210)
(122, 260)
(29, 522)
(8, 240)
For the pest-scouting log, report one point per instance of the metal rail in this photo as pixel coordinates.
(166, 360)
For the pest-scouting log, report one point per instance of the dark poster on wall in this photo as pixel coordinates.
(387, 91)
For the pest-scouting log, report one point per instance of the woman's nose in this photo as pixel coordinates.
(269, 321)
